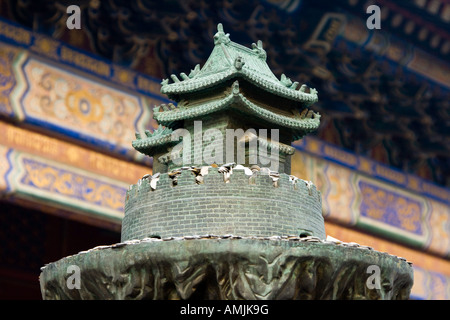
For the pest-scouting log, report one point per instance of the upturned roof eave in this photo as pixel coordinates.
(229, 101)
(210, 81)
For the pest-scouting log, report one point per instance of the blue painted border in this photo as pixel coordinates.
(120, 190)
(302, 146)
(109, 78)
(10, 169)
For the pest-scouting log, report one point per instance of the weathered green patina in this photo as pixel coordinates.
(227, 231)
(230, 60)
(238, 81)
(237, 100)
(234, 89)
(229, 267)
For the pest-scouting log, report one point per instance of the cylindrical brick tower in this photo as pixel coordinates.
(225, 112)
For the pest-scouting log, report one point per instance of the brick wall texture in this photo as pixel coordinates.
(242, 207)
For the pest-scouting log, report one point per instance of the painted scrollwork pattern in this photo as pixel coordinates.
(7, 80)
(392, 208)
(71, 185)
(55, 96)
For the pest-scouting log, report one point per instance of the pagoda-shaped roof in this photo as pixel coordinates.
(306, 122)
(234, 79)
(230, 60)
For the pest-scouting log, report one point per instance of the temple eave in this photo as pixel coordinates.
(177, 89)
(237, 100)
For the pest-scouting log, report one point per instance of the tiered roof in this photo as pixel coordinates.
(233, 62)
(235, 99)
(230, 60)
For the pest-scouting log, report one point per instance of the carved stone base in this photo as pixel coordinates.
(229, 267)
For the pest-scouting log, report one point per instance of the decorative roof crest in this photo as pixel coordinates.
(157, 133)
(230, 60)
(258, 49)
(220, 36)
(195, 71)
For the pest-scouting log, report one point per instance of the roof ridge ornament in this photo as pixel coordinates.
(285, 80)
(239, 63)
(258, 49)
(229, 60)
(220, 37)
(288, 82)
(159, 132)
(194, 71)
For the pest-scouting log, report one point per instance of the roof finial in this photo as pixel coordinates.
(220, 36)
(258, 48)
(195, 71)
(235, 87)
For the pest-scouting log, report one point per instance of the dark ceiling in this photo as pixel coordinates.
(385, 96)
